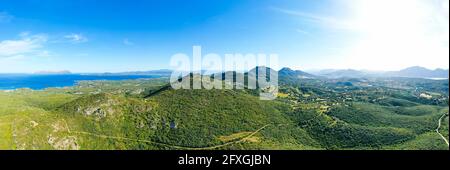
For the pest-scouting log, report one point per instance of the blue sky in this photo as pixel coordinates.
(114, 36)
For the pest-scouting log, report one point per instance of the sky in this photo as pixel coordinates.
(136, 35)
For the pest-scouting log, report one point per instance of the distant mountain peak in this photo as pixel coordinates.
(286, 69)
(419, 72)
(350, 73)
(288, 72)
(415, 68)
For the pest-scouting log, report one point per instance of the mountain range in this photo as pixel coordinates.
(410, 72)
(419, 72)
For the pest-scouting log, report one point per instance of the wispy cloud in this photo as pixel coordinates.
(81, 54)
(25, 45)
(127, 42)
(12, 59)
(327, 21)
(76, 38)
(24, 34)
(302, 31)
(5, 17)
(44, 53)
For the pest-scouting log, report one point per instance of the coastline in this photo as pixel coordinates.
(14, 82)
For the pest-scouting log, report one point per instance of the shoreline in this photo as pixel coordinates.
(65, 83)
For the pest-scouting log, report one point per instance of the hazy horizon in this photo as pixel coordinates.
(306, 70)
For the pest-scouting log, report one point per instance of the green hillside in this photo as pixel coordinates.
(148, 114)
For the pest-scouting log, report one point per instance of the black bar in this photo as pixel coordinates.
(278, 159)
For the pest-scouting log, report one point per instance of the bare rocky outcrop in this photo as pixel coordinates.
(63, 143)
(99, 108)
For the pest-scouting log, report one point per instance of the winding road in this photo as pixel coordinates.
(439, 126)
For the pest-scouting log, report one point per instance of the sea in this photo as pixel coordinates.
(39, 82)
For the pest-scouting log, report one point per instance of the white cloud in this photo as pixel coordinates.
(76, 38)
(5, 17)
(127, 42)
(26, 45)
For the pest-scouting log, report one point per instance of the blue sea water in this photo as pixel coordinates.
(38, 82)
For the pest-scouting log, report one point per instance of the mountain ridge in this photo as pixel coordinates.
(409, 72)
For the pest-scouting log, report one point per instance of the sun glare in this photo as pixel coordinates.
(398, 34)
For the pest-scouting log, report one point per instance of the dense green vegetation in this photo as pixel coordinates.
(309, 113)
